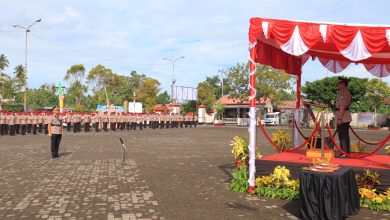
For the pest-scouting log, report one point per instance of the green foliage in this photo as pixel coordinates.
(206, 95)
(278, 185)
(75, 93)
(366, 94)
(41, 97)
(374, 205)
(239, 182)
(282, 193)
(163, 98)
(8, 90)
(148, 92)
(20, 77)
(219, 108)
(189, 106)
(237, 81)
(79, 108)
(3, 62)
(272, 83)
(377, 91)
(216, 83)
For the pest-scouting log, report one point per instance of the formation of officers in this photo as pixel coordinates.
(12, 123)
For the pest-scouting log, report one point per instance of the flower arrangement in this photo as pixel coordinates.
(358, 147)
(378, 202)
(282, 138)
(278, 185)
(240, 150)
(368, 179)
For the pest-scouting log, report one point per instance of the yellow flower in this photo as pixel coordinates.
(377, 199)
(367, 193)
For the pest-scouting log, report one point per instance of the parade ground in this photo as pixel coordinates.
(168, 174)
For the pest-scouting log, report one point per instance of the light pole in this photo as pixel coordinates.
(173, 74)
(27, 29)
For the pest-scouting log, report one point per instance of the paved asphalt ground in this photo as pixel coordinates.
(169, 174)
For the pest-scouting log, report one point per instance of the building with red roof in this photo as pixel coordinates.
(236, 111)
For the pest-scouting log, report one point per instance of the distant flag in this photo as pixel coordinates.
(60, 93)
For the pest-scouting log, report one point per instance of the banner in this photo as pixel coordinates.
(366, 118)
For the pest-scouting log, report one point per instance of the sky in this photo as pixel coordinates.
(127, 35)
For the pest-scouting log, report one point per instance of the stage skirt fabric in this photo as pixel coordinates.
(328, 195)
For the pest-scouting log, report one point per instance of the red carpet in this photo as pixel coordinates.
(373, 161)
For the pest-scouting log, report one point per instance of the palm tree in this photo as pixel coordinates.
(3, 62)
(20, 76)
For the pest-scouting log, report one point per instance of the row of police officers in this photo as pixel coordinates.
(12, 123)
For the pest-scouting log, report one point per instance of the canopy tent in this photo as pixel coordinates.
(287, 45)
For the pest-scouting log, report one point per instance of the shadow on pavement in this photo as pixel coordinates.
(293, 207)
(227, 169)
(63, 154)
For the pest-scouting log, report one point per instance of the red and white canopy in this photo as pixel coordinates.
(287, 45)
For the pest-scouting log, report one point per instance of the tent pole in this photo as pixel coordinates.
(252, 117)
(297, 114)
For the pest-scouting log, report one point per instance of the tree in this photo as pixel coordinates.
(42, 97)
(219, 108)
(148, 91)
(273, 84)
(97, 78)
(270, 83)
(325, 91)
(75, 75)
(206, 95)
(189, 106)
(20, 77)
(216, 83)
(237, 82)
(131, 85)
(163, 98)
(3, 62)
(377, 91)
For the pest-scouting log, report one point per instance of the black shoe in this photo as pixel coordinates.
(342, 156)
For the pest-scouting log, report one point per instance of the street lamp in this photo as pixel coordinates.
(27, 29)
(173, 74)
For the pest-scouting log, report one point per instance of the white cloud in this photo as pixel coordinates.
(138, 34)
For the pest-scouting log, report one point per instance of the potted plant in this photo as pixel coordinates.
(240, 151)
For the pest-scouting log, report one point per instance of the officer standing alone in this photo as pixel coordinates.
(55, 131)
(342, 114)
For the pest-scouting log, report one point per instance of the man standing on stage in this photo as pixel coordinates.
(55, 131)
(342, 115)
